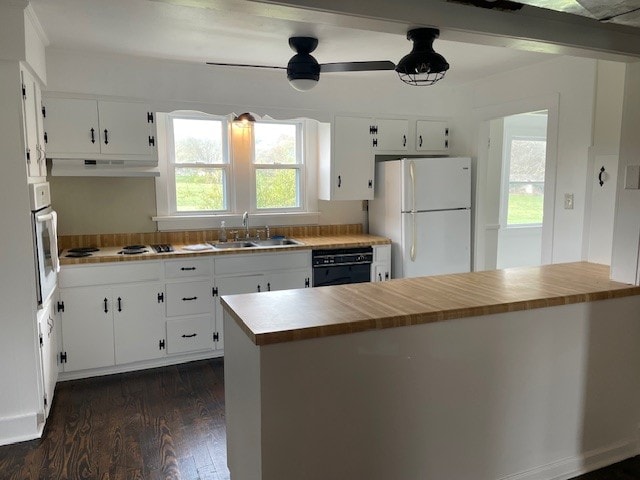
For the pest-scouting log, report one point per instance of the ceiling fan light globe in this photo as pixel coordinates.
(303, 84)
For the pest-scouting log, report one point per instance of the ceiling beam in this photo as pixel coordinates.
(531, 28)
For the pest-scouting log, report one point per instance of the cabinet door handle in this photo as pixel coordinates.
(420, 144)
(106, 307)
(339, 181)
(189, 336)
(379, 277)
(404, 140)
(258, 287)
(93, 136)
(188, 299)
(268, 287)
(119, 304)
(187, 268)
(106, 137)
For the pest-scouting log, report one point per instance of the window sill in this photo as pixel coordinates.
(233, 220)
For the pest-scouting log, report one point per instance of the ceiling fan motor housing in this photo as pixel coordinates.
(303, 66)
(422, 66)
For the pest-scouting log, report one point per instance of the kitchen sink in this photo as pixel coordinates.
(271, 242)
(276, 242)
(233, 245)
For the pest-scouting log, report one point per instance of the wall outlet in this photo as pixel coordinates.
(568, 201)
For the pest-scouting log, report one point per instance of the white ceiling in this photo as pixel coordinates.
(164, 30)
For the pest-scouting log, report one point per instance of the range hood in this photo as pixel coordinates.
(62, 167)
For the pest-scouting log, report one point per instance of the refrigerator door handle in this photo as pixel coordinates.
(412, 250)
(412, 174)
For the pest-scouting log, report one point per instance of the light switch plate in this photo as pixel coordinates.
(568, 201)
(632, 177)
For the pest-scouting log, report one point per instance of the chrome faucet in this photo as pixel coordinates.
(245, 223)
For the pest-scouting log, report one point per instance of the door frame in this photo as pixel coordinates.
(482, 116)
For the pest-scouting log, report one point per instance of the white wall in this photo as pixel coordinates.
(626, 234)
(572, 80)
(174, 85)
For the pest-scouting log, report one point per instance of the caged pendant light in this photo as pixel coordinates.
(422, 66)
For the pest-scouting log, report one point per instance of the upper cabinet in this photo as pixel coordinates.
(32, 114)
(346, 159)
(349, 145)
(390, 135)
(432, 136)
(101, 130)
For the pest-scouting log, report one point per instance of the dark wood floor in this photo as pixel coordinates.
(165, 423)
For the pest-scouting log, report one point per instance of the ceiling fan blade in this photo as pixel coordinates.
(244, 65)
(357, 66)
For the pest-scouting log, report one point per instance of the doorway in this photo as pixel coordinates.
(514, 183)
(521, 152)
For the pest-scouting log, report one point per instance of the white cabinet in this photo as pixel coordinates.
(138, 322)
(48, 339)
(432, 136)
(289, 279)
(87, 328)
(234, 285)
(190, 305)
(390, 135)
(111, 314)
(346, 161)
(33, 128)
(97, 129)
(381, 265)
(106, 325)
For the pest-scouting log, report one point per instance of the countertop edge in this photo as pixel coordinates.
(367, 323)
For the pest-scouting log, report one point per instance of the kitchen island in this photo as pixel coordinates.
(520, 373)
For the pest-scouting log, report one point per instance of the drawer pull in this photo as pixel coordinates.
(189, 336)
(188, 299)
(187, 268)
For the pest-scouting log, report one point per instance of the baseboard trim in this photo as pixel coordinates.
(19, 428)
(130, 367)
(573, 466)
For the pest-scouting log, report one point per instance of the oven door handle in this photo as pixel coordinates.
(52, 219)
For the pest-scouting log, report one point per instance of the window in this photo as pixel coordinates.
(278, 167)
(198, 164)
(210, 166)
(525, 204)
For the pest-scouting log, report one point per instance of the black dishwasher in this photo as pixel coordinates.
(342, 265)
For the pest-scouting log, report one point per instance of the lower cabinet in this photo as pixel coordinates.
(381, 266)
(116, 314)
(48, 338)
(107, 325)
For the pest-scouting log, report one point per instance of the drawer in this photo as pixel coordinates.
(189, 267)
(189, 298)
(112, 273)
(189, 334)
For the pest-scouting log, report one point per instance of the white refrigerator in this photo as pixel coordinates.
(424, 206)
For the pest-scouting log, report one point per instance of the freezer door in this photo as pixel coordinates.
(441, 244)
(436, 183)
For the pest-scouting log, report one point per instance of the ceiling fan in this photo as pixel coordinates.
(422, 66)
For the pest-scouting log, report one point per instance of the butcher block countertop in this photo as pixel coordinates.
(289, 315)
(110, 254)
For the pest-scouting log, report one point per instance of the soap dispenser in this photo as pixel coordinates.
(222, 233)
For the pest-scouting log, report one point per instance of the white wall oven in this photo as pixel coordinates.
(45, 242)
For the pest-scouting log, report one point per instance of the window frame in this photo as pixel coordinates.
(506, 171)
(300, 165)
(228, 187)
